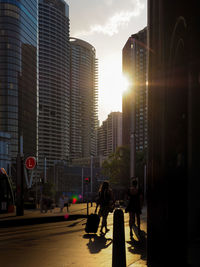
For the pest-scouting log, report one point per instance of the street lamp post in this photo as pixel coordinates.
(91, 177)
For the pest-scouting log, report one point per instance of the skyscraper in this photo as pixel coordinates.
(18, 74)
(134, 67)
(54, 95)
(84, 96)
(110, 134)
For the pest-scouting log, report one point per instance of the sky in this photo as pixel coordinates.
(107, 25)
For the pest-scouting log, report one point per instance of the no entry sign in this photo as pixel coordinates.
(30, 163)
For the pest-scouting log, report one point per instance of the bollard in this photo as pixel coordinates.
(119, 250)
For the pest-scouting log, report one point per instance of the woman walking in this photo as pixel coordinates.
(105, 201)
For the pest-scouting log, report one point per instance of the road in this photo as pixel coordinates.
(65, 244)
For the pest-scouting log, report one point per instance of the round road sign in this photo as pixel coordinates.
(30, 163)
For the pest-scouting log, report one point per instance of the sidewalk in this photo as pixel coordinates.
(77, 211)
(36, 217)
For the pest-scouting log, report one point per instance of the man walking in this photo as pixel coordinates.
(135, 199)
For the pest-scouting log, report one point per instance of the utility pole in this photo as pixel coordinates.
(45, 170)
(36, 195)
(82, 184)
(20, 180)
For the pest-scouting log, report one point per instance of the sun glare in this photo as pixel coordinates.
(123, 84)
(112, 84)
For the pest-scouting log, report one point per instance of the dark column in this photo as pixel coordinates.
(119, 248)
(20, 187)
(173, 114)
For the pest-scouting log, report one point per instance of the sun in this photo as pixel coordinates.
(114, 81)
(124, 84)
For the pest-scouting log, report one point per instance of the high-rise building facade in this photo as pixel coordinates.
(5, 155)
(84, 99)
(110, 134)
(53, 133)
(102, 139)
(18, 74)
(135, 68)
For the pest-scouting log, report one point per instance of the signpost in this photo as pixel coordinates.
(30, 164)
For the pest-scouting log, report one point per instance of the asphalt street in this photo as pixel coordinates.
(63, 244)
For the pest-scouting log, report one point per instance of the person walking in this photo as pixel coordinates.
(134, 207)
(66, 203)
(61, 202)
(105, 201)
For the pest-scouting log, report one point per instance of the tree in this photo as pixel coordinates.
(117, 167)
(48, 189)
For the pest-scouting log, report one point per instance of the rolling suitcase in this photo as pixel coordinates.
(92, 223)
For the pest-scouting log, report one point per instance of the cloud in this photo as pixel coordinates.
(108, 2)
(116, 22)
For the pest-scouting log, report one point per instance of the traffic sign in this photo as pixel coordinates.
(30, 163)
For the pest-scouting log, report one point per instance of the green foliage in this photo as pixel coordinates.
(117, 166)
(48, 189)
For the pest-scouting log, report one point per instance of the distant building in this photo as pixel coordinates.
(84, 99)
(135, 68)
(110, 134)
(18, 84)
(70, 180)
(102, 139)
(54, 93)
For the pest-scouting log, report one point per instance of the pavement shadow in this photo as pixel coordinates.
(139, 246)
(97, 243)
(75, 223)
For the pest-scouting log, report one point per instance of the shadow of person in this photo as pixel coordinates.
(139, 246)
(75, 223)
(97, 243)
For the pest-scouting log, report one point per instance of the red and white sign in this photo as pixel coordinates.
(30, 163)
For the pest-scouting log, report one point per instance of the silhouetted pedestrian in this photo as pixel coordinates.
(105, 201)
(135, 199)
(66, 203)
(61, 202)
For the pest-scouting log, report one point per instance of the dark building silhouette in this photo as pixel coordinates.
(173, 125)
(135, 69)
(28, 99)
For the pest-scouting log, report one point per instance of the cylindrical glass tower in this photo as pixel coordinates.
(54, 92)
(84, 99)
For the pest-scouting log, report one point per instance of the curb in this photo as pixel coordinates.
(39, 220)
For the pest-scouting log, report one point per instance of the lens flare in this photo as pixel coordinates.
(66, 216)
(75, 198)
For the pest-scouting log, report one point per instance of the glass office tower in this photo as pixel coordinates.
(18, 74)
